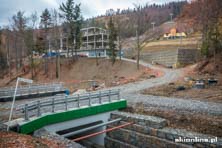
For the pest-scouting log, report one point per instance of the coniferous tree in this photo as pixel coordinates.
(45, 23)
(112, 40)
(71, 12)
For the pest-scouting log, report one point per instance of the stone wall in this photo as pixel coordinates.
(147, 131)
(171, 57)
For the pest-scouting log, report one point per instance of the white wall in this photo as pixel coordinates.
(86, 120)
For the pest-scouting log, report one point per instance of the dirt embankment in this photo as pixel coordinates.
(206, 69)
(15, 140)
(85, 69)
(203, 123)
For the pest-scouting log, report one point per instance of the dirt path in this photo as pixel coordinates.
(131, 92)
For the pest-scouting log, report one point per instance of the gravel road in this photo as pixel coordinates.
(131, 92)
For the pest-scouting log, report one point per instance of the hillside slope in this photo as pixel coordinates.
(84, 70)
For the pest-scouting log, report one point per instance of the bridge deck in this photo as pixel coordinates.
(42, 113)
(31, 91)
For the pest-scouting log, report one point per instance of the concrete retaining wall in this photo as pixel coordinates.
(141, 134)
(171, 57)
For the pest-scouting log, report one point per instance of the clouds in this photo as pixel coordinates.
(98, 7)
(89, 7)
(11, 7)
(52, 3)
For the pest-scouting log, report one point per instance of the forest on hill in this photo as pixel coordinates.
(126, 19)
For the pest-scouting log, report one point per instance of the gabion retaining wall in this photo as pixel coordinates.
(149, 132)
(171, 57)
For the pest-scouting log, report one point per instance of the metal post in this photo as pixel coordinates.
(100, 98)
(13, 102)
(66, 102)
(11, 91)
(37, 90)
(119, 94)
(39, 112)
(109, 95)
(26, 112)
(29, 89)
(78, 101)
(89, 99)
(53, 105)
(153, 23)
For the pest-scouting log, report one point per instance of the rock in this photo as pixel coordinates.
(79, 91)
(152, 76)
(180, 88)
(187, 79)
(171, 83)
(122, 77)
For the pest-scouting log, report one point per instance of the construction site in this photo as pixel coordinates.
(124, 79)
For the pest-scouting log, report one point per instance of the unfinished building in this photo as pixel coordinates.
(94, 42)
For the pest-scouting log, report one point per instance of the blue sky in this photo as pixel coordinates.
(89, 8)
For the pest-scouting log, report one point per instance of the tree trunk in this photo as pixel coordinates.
(32, 66)
(97, 63)
(73, 58)
(57, 66)
(75, 46)
(8, 55)
(16, 52)
(120, 49)
(67, 48)
(138, 50)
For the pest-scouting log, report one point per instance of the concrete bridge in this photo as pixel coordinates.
(65, 112)
(32, 91)
(90, 119)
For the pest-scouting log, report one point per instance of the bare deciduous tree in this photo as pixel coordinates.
(56, 38)
(34, 19)
(19, 25)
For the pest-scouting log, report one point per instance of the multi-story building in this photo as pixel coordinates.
(94, 42)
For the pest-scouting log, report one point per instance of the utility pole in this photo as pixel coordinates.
(171, 17)
(61, 50)
(153, 23)
(13, 101)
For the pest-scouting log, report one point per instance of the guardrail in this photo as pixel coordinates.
(66, 102)
(29, 89)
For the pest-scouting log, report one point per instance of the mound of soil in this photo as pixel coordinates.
(210, 66)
